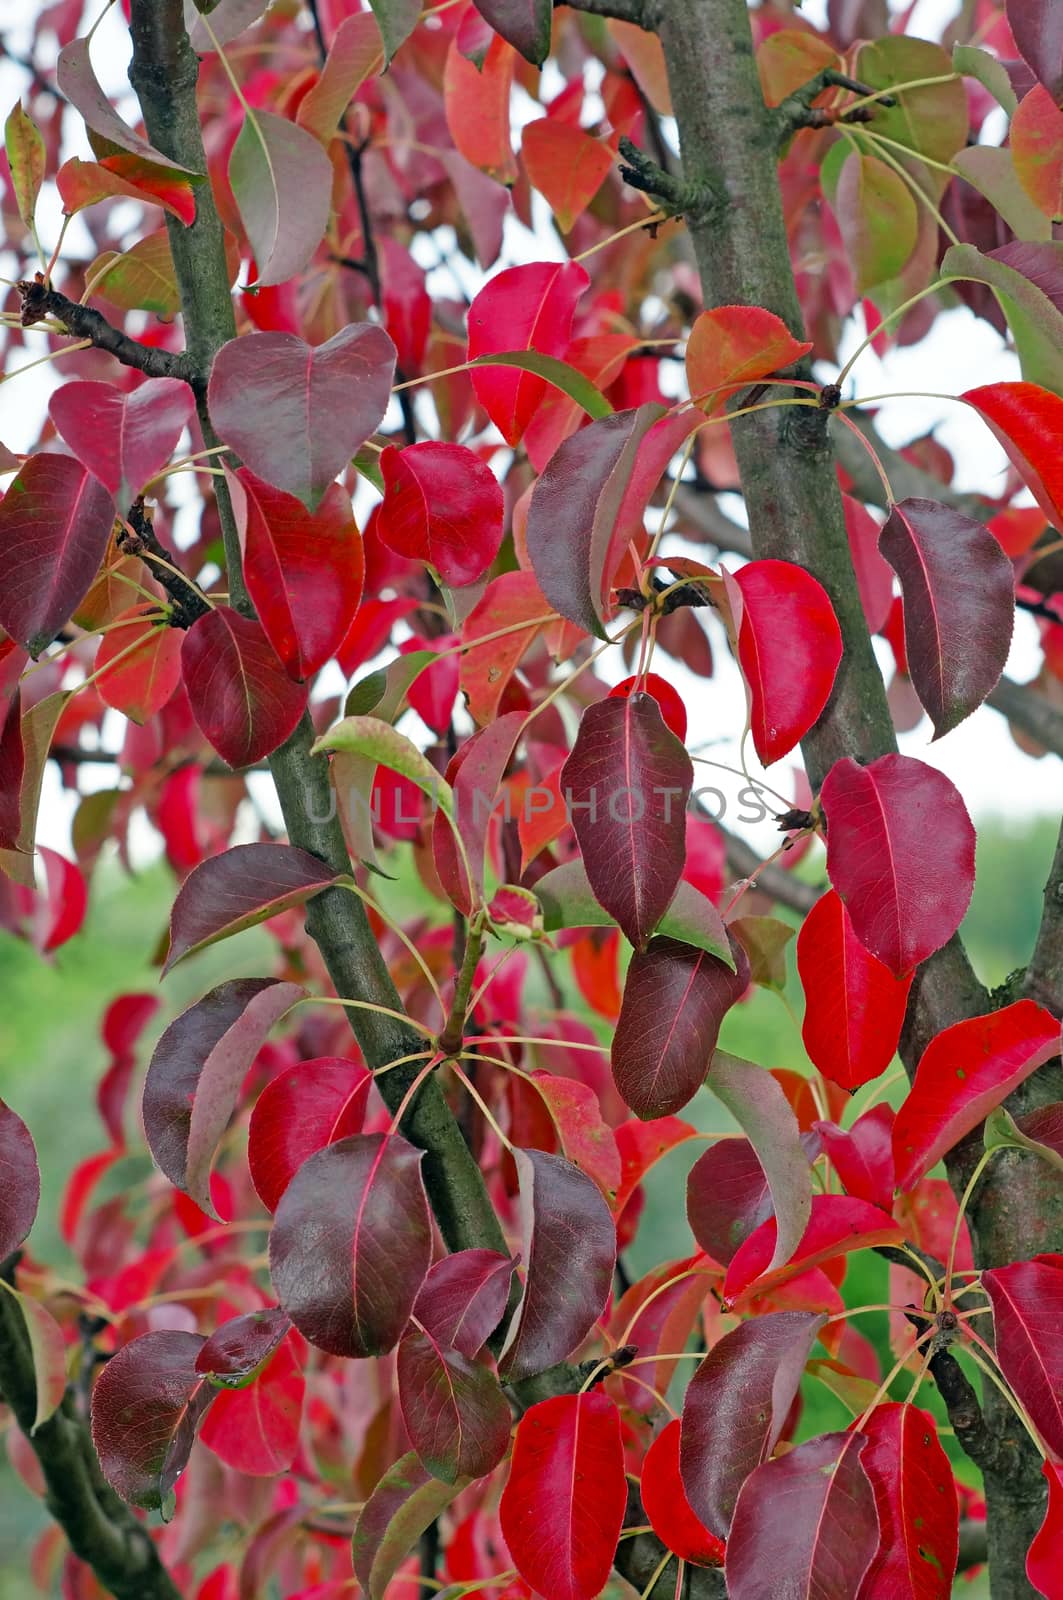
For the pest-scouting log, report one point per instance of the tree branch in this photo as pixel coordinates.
(83, 322)
(641, 12)
(773, 880)
(101, 1529)
(1030, 711)
(188, 604)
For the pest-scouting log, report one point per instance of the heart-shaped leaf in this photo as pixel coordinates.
(295, 413)
(55, 520)
(789, 648)
(245, 885)
(838, 1224)
(123, 439)
(828, 1537)
(958, 588)
(147, 1403)
(457, 1418)
(304, 570)
(735, 1408)
(241, 697)
(573, 512)
(627, 783)
(196, 1073)
(675, 999)
(309, 1105)
(351, 1244)
(900, 853)
(1027, 1300)
(918, 1513)
(281, 180)
(854, 1006)
(441, 505)
(563, 1505)
(529, 307)
(20, 1181)
(570, 1247)
(964, 1073)
(463, 1297)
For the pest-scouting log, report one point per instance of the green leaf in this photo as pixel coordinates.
(1002, 1132)
(384, 691)
(141, 279)
(879, 219)
(568, 901)
(367, 464)
(379, 741)
(992, 172)
(1036, 323)
(988, 71)
(558, 373)
(396, 20)
(26, 158)
(929, 121)
(406, 1501)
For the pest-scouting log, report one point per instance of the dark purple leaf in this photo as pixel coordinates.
(525, 24)
(240, 1346)
(20, 1181)
(296, 414)
(147, 1403)
(1037, 28)
(675, 998)
(626, 784)
(55, 520)
(457, 1418)
(463, 1297)
(727, 1197)
(805, 1524)
(241, 696)
(12, 770)
(958, 588)
(245, 885)
(197, 1071)
(900, 853)
(736, 1406)
(352, 1243)
(570, 1247)
(573, 511)
(123, 438)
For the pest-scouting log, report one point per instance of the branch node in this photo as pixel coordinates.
(798, 111)
(39, 300)
(672, 194)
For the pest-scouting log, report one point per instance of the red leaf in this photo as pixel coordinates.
(566, 165)
(863, 1157)
(658, 1314)
(245, 885)
(641, 1146)
(456, 1416)
(441, 505)
(1036, 142)
(525, 24)
(563, 1505)
(964, 1073)
(138, 664)
(675, 999)
(838, 1224)
(1045, 1555)
(306, 1107)
(241, 697)
(239, 1346)
(196, 1073)
(351, 1244)
(353, 55)
(1037, 28)
(12, 768)
(918, 1513)
(733, 345)
(1028, 421)
(570, 1247)
(958, 589)
(727, 1197)
(854, 1006)
(789, 648)
(146, 1405)
(585, 1137)
(573, 512)
(125, 1020)
(124, 439)
(900, 853)
(55, 520)
(66, 901)
(669, 1510)
(83, 183)
(304, 571)
(462, 1300)
(627, 783)
(20, 1181)
(523, 308)
(873, 577)
(514, 602)
(673, 710)
(255, 1429)
(476, 105)
(735, 1408)
(828, 1537)
(1027, 1299)
(476, 773)
(296, 414)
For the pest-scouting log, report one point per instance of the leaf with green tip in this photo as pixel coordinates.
(380, 742)
(396, 20)
(554, 372)
(141, 278)
(243, 886)
(406, 1501)
(878, 218)
(384, 692)
(987, 70)
(1036, 322)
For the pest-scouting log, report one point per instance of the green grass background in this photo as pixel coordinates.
(51, 1058)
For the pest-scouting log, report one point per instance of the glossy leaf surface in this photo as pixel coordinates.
(245, 885)
(789, 647)
(304, 1108)
(146, 1406)
(918, 1513)
(55, 520)
(854, 1006)
(241, 696)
